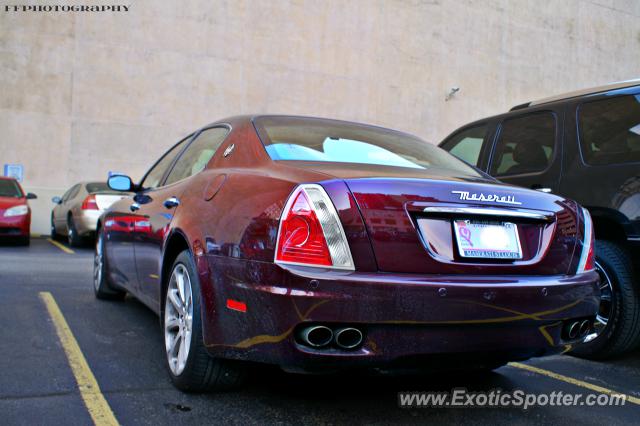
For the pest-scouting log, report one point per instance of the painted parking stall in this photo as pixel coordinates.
(123, 350)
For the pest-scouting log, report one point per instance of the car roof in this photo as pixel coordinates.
(577, 93)
(250, 118)
(621, 86)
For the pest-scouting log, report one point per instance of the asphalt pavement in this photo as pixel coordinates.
(122, 345)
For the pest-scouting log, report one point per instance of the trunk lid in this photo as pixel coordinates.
(410, 224)
(104, 201)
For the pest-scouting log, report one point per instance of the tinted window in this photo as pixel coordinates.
(98, 187)
(65, 196)
(525, 145)
(71, 192)
(74, 192)
(610, 130)
(9, 188)
(154, 176)
(308, 139)
(197, 155)
(466, 144)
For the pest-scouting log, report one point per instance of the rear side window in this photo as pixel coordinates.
(321, 140)
(525, 145)
(195, 158)
(466, 145)
(65, 196)
(74, 191)
(610, 130)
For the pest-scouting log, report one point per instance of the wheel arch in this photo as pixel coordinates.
(609, 225)
(176, 243)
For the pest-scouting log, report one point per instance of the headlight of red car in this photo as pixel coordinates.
(17, 211)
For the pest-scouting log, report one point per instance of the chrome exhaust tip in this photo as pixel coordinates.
(348, 337)
(585, 327)
(316, 336)
(574, 330)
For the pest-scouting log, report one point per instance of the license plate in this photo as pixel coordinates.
(490, 240)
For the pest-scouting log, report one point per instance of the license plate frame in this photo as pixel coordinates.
(472, 236)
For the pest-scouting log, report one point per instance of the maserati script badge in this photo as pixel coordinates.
(503, 199)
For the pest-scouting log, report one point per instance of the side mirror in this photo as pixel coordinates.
(31, 196)
(57, 200)
(120, 183)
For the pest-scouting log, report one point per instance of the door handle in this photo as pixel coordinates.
(134, 206)
(171, 202)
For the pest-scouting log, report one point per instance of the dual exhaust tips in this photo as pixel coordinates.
(320, 336)
(576, 329)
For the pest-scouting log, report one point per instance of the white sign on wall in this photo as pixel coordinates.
(15, 171)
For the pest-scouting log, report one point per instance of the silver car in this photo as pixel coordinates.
(76, 213)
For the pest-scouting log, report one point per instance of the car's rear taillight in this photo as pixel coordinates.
(310, 231)
(90, 203)
(587, 257)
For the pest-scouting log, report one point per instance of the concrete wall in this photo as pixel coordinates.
(86, 93)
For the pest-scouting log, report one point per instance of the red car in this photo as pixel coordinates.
(15, 213)
(319, 245)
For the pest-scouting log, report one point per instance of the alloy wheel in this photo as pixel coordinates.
(98, 260)
(71, 232)
(178, 319)
(606, 304)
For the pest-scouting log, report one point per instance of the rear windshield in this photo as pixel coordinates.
(99, 187)
(10, 188)
(312, 139)
(610, 130)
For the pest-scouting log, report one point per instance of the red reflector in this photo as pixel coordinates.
(301, 239)
(236, 305)
(90, 203)
(590, 264)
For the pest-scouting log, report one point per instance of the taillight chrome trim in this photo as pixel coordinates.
(586, 242)
(329, 231)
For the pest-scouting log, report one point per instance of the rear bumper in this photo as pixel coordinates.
(404, 317)
(86, 221)
(16, 226)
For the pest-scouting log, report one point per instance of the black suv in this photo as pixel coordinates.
(585, 146)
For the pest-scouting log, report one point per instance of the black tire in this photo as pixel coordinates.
(73, 238)
(201, 372)
(622, 331)
(24, 241)
(54, 234)
(102, 287)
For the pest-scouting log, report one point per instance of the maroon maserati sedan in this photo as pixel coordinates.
(320, 245)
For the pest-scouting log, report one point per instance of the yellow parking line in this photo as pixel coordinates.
(89, 390)
(573, 381)
(61, 246)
